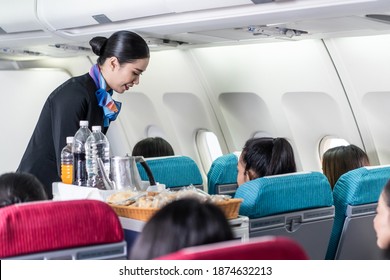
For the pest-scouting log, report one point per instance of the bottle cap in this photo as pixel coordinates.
(96, 128)
(69, 139)
(83, 123)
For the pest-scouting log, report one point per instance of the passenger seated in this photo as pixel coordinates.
(264, 157)
(153, 147)
(339, 160)
(382, 221)
(180, 224)
(18, 187)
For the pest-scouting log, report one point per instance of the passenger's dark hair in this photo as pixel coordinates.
(268, 156)
(339, 160)
(18, 187)
(126, 46)
(180, 224)
(153, 147)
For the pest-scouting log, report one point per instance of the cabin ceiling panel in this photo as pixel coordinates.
(18, 16)
(58, 15)
(28, 24)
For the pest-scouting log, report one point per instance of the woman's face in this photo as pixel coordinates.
(242, 175)
(382, 224)
(122, 77)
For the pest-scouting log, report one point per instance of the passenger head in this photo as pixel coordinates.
(263, 157)
(180, 224)
(20, 187)
(339, 160)
(382, 220)
(153, 147)
(122, 59)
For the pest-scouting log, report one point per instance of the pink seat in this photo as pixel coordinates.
(47, 226)
(262, 248)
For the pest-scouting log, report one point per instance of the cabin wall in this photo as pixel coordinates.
(287, 89)
(25, 87)
(363, 64)
(301, 90)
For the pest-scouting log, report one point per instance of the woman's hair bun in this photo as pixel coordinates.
(98, 43)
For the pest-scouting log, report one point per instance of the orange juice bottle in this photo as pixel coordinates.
(67, 162)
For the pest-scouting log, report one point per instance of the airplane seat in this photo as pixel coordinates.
(262, 248)
(173, 171)
(355, 195)
(222, 176)
(75, 229)
(296, 205)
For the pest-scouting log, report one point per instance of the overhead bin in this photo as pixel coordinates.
(18, 16)
(182, 21)
(65, 14)
(162, 18)
(19, 24)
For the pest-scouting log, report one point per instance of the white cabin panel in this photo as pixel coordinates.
(170, 96)
(137, 114)
(375, 106)
(271, 71)
(313, 115)
(245, 113)
(18, 16)
(25, 93)
(363, 64)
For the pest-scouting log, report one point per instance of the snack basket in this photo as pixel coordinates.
(229, 207)
(132, 212)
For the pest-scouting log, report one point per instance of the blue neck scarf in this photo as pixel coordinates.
(111, 108)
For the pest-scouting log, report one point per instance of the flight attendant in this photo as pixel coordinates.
(121, 60)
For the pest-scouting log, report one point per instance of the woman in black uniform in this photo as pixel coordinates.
(122, 59)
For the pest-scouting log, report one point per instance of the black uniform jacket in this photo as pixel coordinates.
(71, 102)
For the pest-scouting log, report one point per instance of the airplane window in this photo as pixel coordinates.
(208, 148)
(329, 142)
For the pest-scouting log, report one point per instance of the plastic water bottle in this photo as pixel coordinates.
(67, 161)
(78, 149)
(97, 146)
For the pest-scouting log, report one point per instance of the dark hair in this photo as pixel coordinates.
(18, 187)
(339, 160)
(268, 156)
(153, 147)
(180, 224)
(126, 46)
